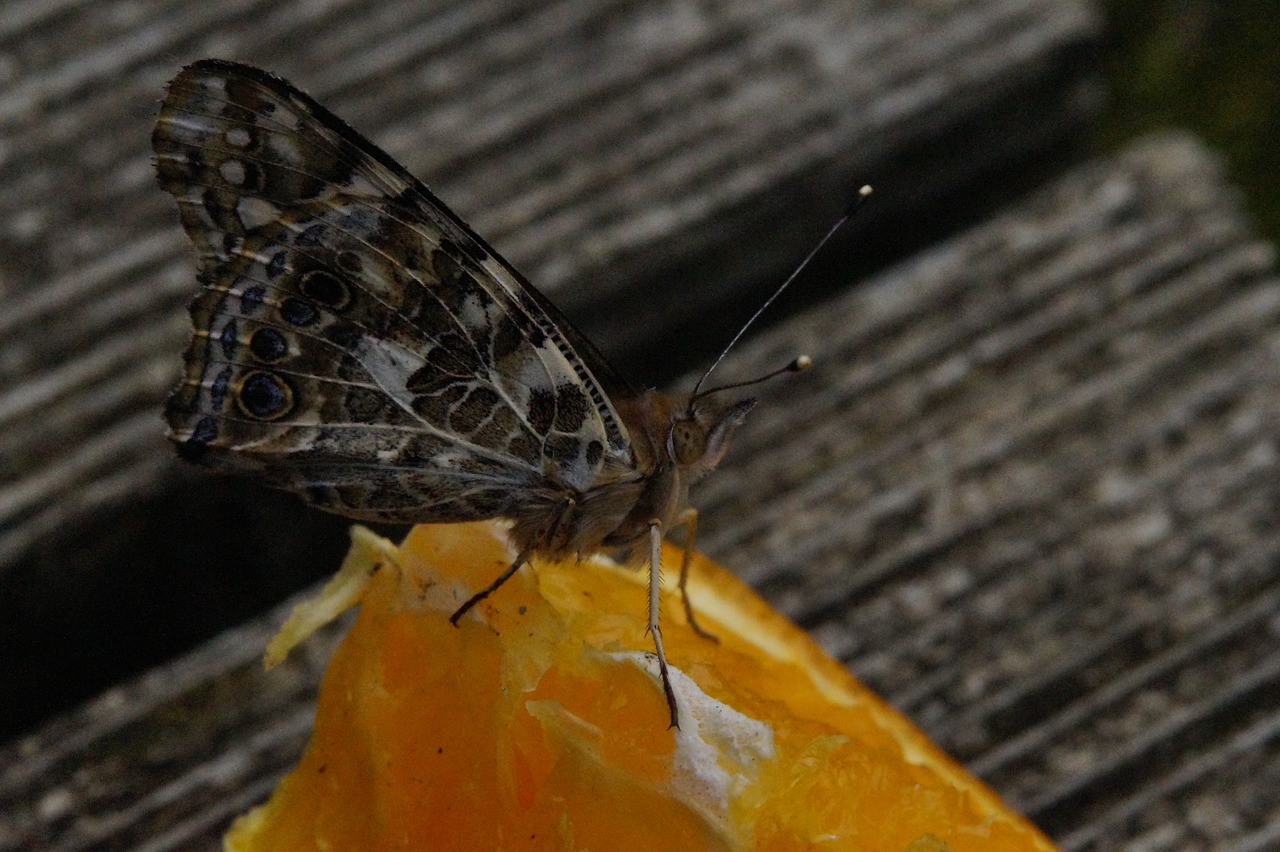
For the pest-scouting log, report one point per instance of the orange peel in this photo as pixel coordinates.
(539, 723)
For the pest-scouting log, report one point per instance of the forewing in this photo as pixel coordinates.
(353, 339)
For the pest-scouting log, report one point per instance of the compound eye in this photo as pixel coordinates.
(688, 442)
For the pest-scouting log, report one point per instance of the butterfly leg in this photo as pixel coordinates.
(689, 517)
(489, 589)
(566, 507)
(655, 582)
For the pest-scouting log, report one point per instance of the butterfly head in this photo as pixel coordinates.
(700, 429)
(699, 435)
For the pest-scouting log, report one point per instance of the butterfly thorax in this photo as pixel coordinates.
(673, 445)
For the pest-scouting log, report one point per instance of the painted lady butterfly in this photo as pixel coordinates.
(356, 343)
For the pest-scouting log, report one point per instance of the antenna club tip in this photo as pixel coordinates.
(802, 362)
(857, 202)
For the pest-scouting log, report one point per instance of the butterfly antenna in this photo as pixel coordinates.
(800, 362)
(803, 361)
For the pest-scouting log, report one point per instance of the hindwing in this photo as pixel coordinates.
(353, 339)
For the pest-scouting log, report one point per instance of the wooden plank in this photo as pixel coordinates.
(1028, 492)
(166, 761)
(646, 163)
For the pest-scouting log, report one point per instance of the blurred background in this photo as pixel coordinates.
(1207, 67)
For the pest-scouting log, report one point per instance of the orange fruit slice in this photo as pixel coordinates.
(539, 723)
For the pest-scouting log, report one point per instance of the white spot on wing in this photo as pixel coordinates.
(389, 364)
(237, 137)
(255, 212)
(233, 172)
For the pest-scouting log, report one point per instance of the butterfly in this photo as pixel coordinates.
(355, 342)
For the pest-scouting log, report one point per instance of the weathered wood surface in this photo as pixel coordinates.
(1029, 493)
(640, 161)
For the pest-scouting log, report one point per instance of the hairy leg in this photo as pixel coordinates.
(489, 589)
(689, 517)
(655, 581)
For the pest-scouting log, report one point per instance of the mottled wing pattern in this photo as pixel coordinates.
(354, 340)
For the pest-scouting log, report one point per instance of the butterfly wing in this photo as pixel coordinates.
(355, 341)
